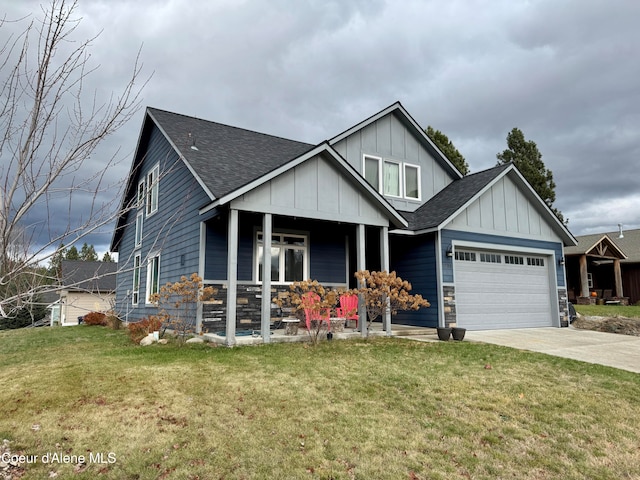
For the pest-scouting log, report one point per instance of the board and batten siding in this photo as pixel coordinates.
(414, 260)
(505, 209)
(314, 189)
(390, 139)
(173, 231)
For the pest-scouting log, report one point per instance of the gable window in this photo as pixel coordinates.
(289, 253)
(412, 181)
(153, 276)
(391, 180)
(152, 190)
(139, 221)
(371, 168)
(135, 294)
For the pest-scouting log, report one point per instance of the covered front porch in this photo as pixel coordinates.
(593, 271)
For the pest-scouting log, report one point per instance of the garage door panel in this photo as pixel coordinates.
(501, 295)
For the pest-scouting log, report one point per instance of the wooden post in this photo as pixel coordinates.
(584, 278)
(384, 262)
(232, 277)
(265, 322)
(617, 271)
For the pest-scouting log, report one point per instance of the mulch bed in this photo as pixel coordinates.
(622, 325)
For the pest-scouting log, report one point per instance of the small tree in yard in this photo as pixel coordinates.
(384, 290)
(177, 303)
(312, 296)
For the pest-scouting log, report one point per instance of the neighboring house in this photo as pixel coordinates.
(86, 287)
(230, 204)
(607, 264)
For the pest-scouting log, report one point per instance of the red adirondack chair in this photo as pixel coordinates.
(311, 312)
(348, 308)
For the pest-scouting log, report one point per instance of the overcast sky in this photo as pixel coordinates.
(566, 72)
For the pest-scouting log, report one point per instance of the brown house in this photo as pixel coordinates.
(607, 264)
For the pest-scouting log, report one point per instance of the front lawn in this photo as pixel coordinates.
(378, 409)
(631, 311)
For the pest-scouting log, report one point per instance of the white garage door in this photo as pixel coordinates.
(501, 290)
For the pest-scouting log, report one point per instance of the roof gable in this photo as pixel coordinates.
(408, 121)
(366, 200)
(444, 207)
(599, 245)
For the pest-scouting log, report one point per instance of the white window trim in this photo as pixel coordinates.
(153, 181)
(364, 163)
(137, 267)
(404, 185)
(139, 230)
(281, 258)
(400, 178)
(149, 290)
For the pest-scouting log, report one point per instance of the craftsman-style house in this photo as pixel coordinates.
(232, 204)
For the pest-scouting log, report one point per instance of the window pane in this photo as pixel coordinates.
(411, 182)
(294, 241)
(275, 263)
(391, 179)
(293, 265)
(372, 172)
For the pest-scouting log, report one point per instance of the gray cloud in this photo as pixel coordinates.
(564, 72)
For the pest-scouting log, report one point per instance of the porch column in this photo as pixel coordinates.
(201, 256)
(584, 279)
(617, 271)
(384, 263)
(266, 278)
(232, 276)
(360, 265)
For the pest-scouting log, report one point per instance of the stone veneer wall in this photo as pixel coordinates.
(248, 308)
(449, 301)
(563, 305)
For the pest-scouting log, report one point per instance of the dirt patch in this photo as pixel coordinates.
(622, 325)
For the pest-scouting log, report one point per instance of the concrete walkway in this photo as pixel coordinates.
(611, 349)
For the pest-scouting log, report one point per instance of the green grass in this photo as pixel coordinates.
(631, 311)
(383, 409)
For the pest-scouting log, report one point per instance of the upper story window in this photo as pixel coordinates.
(289, 253)
(392, 178)
(371, 169)
(140, 197)
(412, 181)
(152, 189)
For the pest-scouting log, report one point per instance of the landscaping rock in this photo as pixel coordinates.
(195, 340)
(163, 341)
(148, 340)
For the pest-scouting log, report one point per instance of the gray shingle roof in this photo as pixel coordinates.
(630, 244)
(89, 276)
(226, 157)
(449, 200)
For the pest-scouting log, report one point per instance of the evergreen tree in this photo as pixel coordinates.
(528, 159)
(72, 254)
(88, 253)
(447, 147)
(107, 258)
(55, 262)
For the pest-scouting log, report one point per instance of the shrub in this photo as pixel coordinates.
(95, 318)
(113, 322)
(139, 330)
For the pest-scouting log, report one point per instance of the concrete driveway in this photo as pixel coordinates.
(611, 349)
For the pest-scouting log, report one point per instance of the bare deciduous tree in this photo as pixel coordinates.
(49, 130)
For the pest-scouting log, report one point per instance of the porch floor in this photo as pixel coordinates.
(278, 335)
